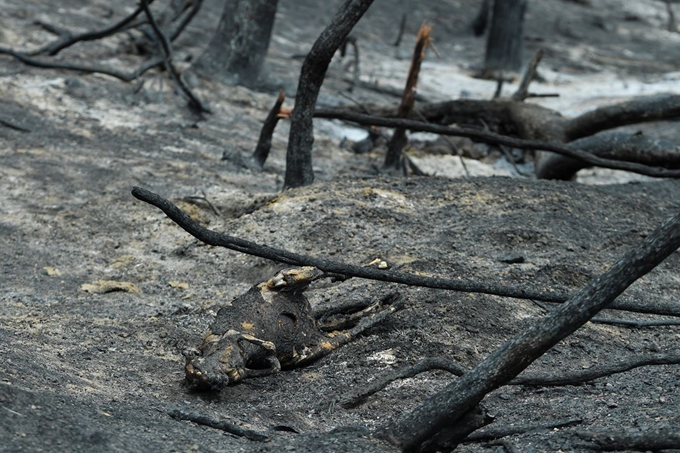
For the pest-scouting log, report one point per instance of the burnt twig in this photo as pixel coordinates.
(219, 424)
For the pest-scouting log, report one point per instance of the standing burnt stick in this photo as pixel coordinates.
(264, 144)
(523, 91)
(393, 159)
(299, 171)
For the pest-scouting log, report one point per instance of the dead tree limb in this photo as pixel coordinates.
(497, 139)
(610, 145)
(222, 425)
(431, 363)
(283, 256)
(535, 379)
(394, 158)
(498, 432)
(166, 50)
(641, 110)
(264, 144)
(299, 171)
(523, 91)
(334, 267)
(125, 77)
(69, 40)
(411, 430)
(663, 437)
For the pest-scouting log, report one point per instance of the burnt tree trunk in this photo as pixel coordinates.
(504, 43)
(299, 171)
(237, 51)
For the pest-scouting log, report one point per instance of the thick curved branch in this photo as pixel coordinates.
(610, 145)
(414, 428)
(299, 171)
(660, 437)
(641, 110)
(497, 139)
(370, 273)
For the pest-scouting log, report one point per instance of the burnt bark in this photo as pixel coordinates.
(394, 159)
(264, 144)
(237, 51)
(299, 171)
(504, 43)
(610, 145)
(413, 429)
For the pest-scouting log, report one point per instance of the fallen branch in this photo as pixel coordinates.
(283, 256)
(219, 424)
(125, 77)
(596, 372)
(664, 437)
(611, 145)
(347, 270)
(61, 44)
(496, 139)
(498, 432)
(412, 429)
(536, 379)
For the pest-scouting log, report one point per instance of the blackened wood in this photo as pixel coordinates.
(482, 18)
(237, 51)
(299, 171)
(393, 158)
(523, 91)
(652, 438)
(410, 431)
(610, 145)
(283, 256)
(264, 144)
(497, 139)
(504, 43)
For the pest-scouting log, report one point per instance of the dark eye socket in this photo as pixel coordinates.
(290, 316)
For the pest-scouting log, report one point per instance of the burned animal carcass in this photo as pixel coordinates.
(269, 328)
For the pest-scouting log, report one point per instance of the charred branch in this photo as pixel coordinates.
(393, 158)
(410, 431)
(663, 437)
(523, 91)
(299, 171)
(534, 379)
(497, 139)
(641, 110)
(610, 145)
(125, 77)
(222, 425)
(264, 144)
(283, 256)
(69, 40)
(166, 50)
